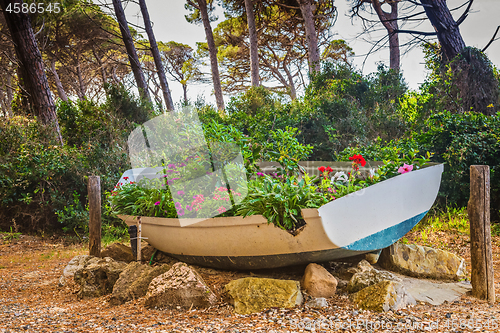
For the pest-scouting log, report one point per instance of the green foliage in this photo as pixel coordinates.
(448, 218)
(462, 140)
(125, 105)
(280, 200)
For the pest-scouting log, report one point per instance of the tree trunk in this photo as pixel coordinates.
(254, 55)
(307, 8)
(81, 85)
(132, 54)
(59, 87)
(185, 91)
(213, 53)
(31, 67)
(290, 84)
(156, 56)
(448, 33)
(389, 20)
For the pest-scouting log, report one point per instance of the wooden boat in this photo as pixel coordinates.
(361, 222)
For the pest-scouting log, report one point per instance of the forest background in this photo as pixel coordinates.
(75, 82)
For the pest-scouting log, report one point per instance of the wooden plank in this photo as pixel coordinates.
(482, 278)
(94, 197)
(139, 238)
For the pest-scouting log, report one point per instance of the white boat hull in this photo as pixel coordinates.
(361, 222)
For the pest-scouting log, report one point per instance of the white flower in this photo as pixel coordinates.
(372, 173)
(340, 176)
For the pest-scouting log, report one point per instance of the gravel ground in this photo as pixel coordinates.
(31, 301)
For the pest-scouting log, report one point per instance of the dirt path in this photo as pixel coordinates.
(31, 301)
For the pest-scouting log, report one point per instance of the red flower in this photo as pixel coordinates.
(358, 159)
(126, 178)
(329, 169)
(321, 169)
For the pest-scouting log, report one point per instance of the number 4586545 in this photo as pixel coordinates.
(32, 8)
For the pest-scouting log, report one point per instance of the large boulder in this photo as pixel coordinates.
(422, 261)
(250, 295)
(118, 252)
(318, 282)
(73, 265)
(383, 296)
(366, 276)
(182, 286)
(134, 282)
(98, 276)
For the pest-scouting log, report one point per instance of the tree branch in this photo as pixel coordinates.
(491, 40)
(416, 32)
(464, 15)
(419, 4)
(193, 4)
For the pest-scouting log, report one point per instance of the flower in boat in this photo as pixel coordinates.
(180, 212)
(321, 169)
(329, 169)
(405, 168)
(182, 165)
(126, 178)
(358, 159)
(340, 176)
(178, 205)
(157, 203)
(372, 173)
(172, 166)
(180, 193)
(221, 210)
(260, 174)
(190, 208)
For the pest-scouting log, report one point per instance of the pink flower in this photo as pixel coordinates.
(405, 168)
(221, 210)
(157, 203)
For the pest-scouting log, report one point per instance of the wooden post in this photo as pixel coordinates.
(139, 238)
(482, 278)
(94, 192)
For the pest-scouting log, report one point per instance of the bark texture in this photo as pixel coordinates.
(254, 56)
(202, 6)
(389, 20)
(31, 67)
(132, 54)
(307, 8)
(448, 33)
(156, 56)
(59, 86)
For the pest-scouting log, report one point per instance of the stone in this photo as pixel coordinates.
(146, 253)
(98, 277)
(134, 281)
(367, 275)
(317, 303)
(383, 296)
(422, 261)
(118, 252)
(251, 295)
(182, 286)
(318, 282)
(372, 257)
(73, 265)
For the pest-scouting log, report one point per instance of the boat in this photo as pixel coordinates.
(361, 222)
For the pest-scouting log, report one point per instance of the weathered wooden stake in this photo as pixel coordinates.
(139, 238)
(483, 284)
(94, 192)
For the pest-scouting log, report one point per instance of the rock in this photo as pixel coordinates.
(98, 276)
(118, 252)
(250, 295)
(146, 253)
(372, 257)
(134, 282)
(422, 261)
(383, 296)
(318, 282)
(317, 303)
(181, 286)
(366, 276)
(69, 271)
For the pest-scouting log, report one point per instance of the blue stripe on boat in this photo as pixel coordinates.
(386, 237)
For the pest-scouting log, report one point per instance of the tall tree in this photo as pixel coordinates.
(254, 55)
(307, 8)
(156, 56)
(132, 54)
(31, 66)
(181, 64)
(446, 28)
(200, 14)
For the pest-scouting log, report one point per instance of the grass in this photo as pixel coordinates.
(448, 219)
(8, 236)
